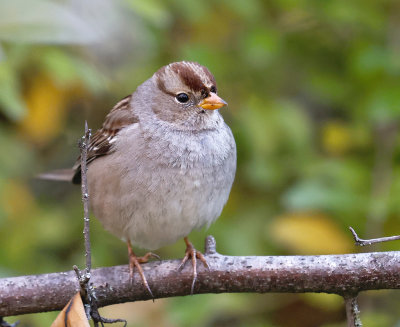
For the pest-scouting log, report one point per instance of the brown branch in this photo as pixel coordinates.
(362, 242)
(345, 274)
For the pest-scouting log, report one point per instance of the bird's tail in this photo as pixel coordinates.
(63, 175)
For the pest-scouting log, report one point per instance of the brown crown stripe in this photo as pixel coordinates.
(189, 77)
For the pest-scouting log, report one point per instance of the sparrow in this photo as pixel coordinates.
(162, 164)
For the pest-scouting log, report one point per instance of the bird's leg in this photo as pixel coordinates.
(135, 261)
(194, 254)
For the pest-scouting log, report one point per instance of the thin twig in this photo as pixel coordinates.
(362, 242)
(99, 319)
(352, 312)
(85, 196)
(84, 277)
(87, 290)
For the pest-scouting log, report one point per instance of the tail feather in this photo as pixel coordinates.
(63, 175)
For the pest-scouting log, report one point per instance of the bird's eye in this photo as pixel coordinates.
(213, 89)
(182, 97)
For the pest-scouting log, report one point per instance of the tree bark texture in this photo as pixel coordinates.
(345, 275)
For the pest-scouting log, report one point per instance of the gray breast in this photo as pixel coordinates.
(172, 183)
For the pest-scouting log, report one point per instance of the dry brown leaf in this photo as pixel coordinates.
(73, 314)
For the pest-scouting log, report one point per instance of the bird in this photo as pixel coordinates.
(162, 164)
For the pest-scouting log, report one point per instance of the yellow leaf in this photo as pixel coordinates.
(73, 314)
(310, 233)
(336, 138)
(46, 110)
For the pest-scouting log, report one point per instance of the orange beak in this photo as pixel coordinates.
(212, 102)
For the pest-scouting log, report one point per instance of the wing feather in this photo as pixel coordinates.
(101, 143)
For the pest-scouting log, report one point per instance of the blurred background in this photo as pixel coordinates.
(314, 103)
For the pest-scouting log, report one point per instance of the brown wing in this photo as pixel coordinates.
(121, 115)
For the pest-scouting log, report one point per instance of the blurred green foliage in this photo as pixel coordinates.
(314, 103)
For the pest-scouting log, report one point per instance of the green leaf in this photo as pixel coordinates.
(11, 102)
(68, 69)
(151, 10)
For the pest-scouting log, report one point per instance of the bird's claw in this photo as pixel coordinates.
(192, 253)
(135, 262)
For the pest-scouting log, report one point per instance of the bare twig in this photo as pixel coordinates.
(362, 242)
(87, 291)
(337, 274)
(99, 319)
(84, 277)
(352, 312)
(85, 197)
